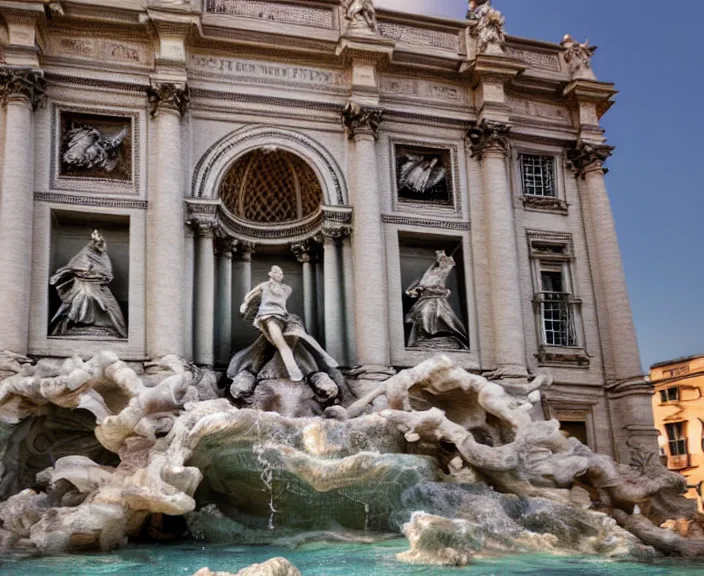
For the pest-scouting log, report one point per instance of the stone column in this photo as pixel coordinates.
(165, 238)
(205, 296)
(629, 394)
(489, 143)
(302, 251)
(348, 298)
(224, 346)
(21, 92)
(334, 307)
(246, 250)
(189, 291)
(370, 306)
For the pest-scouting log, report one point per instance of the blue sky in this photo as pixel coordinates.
(652, 50)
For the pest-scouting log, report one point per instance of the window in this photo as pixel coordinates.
(669, 395)
(676, 439)
(556, 309)
(538, 175)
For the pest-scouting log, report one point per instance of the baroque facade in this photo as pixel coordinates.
(427, 185)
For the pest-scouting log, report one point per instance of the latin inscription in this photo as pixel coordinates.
(269, 72)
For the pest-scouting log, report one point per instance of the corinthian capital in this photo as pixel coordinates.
(585, 156)
(488, 135)
(22, 84)
(361, 120)
(168, 96)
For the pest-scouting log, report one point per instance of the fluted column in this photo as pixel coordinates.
(348, 298)
(189, 290)
(165, 238)
(205, 296)
(489, 143)
(224, 345)
(21, 92)
(370, 305)
(334, 308)
(303, 253)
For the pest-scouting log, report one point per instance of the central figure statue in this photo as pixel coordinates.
(282, 332)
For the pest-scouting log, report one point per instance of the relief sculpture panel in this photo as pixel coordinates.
(273, 11)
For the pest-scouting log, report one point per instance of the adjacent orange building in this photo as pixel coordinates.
(678, 407)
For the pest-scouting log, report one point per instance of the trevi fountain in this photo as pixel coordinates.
(280, 372)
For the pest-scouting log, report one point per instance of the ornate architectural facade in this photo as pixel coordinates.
(209, 140)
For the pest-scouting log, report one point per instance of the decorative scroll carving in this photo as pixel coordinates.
(488, 135)
(435, 326)
(29, 85)
(246, 250)
(550, 203)
(168, 96)
(361, 120)
(361, 15)
(489, 28)
(585, 156)
(88, 307)
(302, 251)
(578, 57)
(273, 12)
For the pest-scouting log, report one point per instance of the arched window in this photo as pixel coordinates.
(271, 186)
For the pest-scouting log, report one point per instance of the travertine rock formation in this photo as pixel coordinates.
(273, 567)
(178, 447)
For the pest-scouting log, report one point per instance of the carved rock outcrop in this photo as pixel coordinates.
(273, 567)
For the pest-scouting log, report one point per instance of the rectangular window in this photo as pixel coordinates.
(677, 439)
(669, 395)
(556, 308)
(538, 175)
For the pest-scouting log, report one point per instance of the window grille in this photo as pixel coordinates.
(557, 315)
(538, 175)
(669, 395)
(676, 439)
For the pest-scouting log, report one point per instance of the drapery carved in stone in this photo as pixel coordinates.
(489, 28)
(586, 155)
(361, 120)
(22, 83)
(361, 14)
(168, 96)
(488, 135)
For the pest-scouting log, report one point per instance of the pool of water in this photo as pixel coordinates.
(325, 560)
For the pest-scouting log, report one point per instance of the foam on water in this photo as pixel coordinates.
(322, 559)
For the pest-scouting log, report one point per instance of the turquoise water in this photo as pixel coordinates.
(325, 560)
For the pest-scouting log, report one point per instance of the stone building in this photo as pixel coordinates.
(207, 140)
(678, 407)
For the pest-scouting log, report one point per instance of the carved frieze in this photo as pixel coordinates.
(585, 156)
(101, 49)
(258, 72)
(22, 83)
(273, 11)
(488, 135)
(168, 96)
(536, 59)
(425, 89)
(416, 36)
(361, 120)
(543, 110)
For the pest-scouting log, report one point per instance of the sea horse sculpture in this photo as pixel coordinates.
(86, 300)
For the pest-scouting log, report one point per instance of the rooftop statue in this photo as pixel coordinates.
(86, 300)
(361, 14)
(578, 56)
(489, 30)
(434, 322)
(85, 147)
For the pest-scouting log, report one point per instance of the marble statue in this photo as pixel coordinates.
(269, 374)
(361, 14)
(489, 30)
(434, 322)
(85, 147)
(87, 304)
(578, 56)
